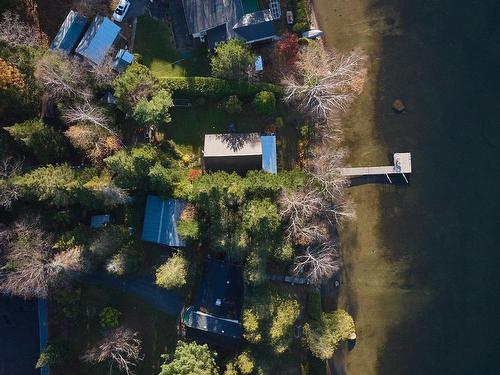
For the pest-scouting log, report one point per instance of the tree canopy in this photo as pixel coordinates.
(191, 359)
(233, 60)
(324, 337)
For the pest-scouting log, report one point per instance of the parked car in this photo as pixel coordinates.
(121, 10)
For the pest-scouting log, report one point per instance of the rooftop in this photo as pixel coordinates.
(232, 144)
(70, 33)
(203, 15)
(160, 221)
(98, 39)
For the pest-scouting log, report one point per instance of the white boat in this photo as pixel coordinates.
(312, 34)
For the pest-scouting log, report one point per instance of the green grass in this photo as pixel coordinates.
(157, 330)
(154, 42)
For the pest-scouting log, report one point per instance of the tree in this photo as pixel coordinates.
(88, 112)
(55, 184)
(261, 219)
(120, 347)
(318, 263)
(15, 33)
(134, 84)
(155, 111)
(10, 76)
(44, 142)
(173, 273)
(109, 317)
(323, 82)
(61, 76)
(191, 359)
(285, 312)
(324, 167)
(51, 355)
(265, 103)
(9, 192)
(30, 267)
(95, 141)
(170, 181)
(286, 49)
(245, 363)
(233, 105)
(233, 60)
(324, 337)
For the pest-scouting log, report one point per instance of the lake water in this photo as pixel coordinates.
(422, 273)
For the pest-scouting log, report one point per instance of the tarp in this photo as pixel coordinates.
(160, 221)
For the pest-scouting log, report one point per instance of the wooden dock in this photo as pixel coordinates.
(402, 166)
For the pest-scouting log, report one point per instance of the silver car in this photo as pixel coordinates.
(121, 10)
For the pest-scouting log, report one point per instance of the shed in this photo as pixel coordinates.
(98, 39)
(233, 152)
(70, 33)
(160, 221)
(98, 221)
(269, 163)
(122, 60)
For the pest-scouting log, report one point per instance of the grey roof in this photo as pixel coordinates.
(203, 15)
(216, 35)
(70, 33)
(255, 26)
(98, 39)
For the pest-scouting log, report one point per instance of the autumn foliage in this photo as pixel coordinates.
(10, 76)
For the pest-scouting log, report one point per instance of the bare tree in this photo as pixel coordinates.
(31, 267)
(61, 76)
(322, 81)
(88, 112)
(90, 8)
(8, 191)
(121, 347)
(14, 32)
(113, 195)
(103, 72)
(324, 167)
(318, 263)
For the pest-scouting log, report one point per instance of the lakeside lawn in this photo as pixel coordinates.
(157, 330)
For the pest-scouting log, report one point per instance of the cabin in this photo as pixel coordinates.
(70, 33)
(160, 221)
(98, 39)
(239, 152)
(214, 318)
(220, 20)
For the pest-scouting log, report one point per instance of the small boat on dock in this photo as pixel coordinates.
(312, 34)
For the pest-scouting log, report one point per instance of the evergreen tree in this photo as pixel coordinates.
(191, 359)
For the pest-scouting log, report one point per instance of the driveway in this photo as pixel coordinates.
(144, 288)
(19, 345)
(136, 9)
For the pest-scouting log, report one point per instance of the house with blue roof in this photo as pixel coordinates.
(220, 20)
(70, 33)
(98, 39)
(160, 221)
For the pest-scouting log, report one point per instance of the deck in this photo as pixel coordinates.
(402, 165)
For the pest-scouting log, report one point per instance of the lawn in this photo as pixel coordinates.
(157, 330)
(154, 42)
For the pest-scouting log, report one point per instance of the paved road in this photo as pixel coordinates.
(18, 336)
(144, 288)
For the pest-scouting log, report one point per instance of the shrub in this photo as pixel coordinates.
(51, 355)
(109, 317)
(173, 273)
(209, 87)
(233, 105)
(232, 60)
(301, 16)
(265, 103)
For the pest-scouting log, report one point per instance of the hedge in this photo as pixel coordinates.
(301, 17)
(215, 87)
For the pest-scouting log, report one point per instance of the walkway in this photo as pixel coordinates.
(402, 165)
(144, 288)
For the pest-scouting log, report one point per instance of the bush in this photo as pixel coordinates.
(265, 103)
(173, 273)
(301, 16)
(233, 105)
(209, 87)
(109, 317)
(51, 355)
(232, 60)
